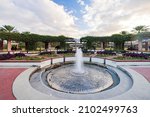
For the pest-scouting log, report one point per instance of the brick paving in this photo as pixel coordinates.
(7, 76)
(145, 71)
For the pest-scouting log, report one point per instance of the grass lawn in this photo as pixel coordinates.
(28, 58)
(103, 55)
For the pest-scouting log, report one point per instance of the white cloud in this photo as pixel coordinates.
(81, 2)
(38, 16)
(105, 17)
(100, 17)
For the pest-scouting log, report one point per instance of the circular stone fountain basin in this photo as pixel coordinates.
(94, 79)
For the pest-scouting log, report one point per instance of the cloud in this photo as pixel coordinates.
(81, 2)
(100, 17)
(105, 17)
(37, 16)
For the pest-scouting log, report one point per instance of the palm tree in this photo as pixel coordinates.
(9, 29)
(2, 29)
(141, 28)
(138, 30)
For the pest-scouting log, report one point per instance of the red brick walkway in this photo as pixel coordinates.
(143, 71)
(7, 76)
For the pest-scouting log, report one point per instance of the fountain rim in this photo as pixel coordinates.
(59, 64)
(110, 72)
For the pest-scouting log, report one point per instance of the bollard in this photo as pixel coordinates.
(51, 61)
(90, 59)
(64, 59)
(104, 61)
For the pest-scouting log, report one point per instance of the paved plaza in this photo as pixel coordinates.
(14, 84)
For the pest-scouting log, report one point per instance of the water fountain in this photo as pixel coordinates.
(78, 78)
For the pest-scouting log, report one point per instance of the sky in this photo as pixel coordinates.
(75, 18)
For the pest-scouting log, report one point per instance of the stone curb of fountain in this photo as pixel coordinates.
(140, 89)
(22, 87)
(29, 91)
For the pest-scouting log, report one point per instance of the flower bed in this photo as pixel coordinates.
(45, 53)
(136, 59)
(106, 53)
(136, 55)
(10, 56)
(20, 57)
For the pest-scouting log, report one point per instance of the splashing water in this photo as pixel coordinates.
(79, 68)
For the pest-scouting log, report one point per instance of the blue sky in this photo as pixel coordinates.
(75, 7)
(70, 5)
(75, 18)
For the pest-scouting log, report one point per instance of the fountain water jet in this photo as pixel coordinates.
(79, 68)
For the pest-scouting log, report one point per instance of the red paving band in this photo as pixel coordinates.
(143, 71)
(7, 77)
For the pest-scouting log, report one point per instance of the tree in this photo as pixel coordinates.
(29, 40)
(8, 32)
(8, 28)
(138, 30)
(127, 33)
(91, 41)
(2, 29)
(141, 28)
(124, 33)
(143, 36)
(1, 40)
(26, 33)
(119, 40)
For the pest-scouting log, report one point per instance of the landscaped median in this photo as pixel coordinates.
(114, 61)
